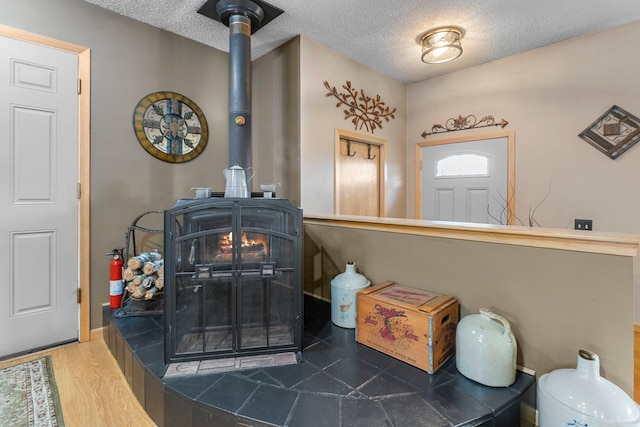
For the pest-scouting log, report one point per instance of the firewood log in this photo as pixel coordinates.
(152, 266)
(138, 292)
(139, 260)
(148, 281)
(161, 269)
(159, 282)
(137, 280)
(131, 287)
(150, 293)
(129, 274)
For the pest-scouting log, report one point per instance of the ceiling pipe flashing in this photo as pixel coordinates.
(222, 10)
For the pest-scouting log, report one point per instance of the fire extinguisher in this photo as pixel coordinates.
(116, 284)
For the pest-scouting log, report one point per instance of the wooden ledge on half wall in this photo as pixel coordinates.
(597, 242)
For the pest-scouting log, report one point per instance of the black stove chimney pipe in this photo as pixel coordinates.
(240, 91)
(240, 16)
(243, 17)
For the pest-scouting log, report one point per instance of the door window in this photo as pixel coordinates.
(462, 165)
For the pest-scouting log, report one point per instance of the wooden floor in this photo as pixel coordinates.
(93, 391)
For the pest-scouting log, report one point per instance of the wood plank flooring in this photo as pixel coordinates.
(93, 391)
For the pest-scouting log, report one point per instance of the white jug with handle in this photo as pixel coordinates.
(486, 349)
(237, 181)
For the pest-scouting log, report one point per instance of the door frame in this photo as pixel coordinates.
(364, 139)
(84, 164)
(511, 174)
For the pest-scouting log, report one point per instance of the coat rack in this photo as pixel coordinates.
(349, 153)
(353, 153)
(369, 153)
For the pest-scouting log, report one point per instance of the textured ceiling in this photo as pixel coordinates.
(384, 34)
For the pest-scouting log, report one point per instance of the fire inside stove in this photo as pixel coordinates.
(253, 247)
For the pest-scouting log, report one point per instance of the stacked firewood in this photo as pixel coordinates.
(144, 275)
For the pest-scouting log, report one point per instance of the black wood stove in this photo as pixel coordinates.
(232, 278)
(233, 265)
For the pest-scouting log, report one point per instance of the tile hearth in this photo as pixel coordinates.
(338, 383)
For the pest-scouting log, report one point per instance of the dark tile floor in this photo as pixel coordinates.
(338, 383)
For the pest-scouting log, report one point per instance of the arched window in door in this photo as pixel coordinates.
(462, 165)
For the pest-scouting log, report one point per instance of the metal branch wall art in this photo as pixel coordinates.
(362, 109)
(463, 123)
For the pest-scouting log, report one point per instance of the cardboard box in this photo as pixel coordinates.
(412, 325)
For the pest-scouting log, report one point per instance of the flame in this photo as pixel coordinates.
(226, 241)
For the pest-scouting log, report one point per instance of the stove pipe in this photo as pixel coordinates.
(243, 17)
(240, 15)
(240, 91)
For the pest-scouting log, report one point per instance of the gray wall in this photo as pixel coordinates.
(129, 60)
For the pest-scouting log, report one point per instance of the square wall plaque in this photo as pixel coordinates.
(614, 132)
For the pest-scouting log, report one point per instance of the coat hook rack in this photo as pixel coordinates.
(369, 153)
(349, 153)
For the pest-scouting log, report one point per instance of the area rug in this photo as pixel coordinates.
(29, 396)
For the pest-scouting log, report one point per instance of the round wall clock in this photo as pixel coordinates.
(170, 127)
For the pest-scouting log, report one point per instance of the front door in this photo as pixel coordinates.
(38, 196)
(466, 181)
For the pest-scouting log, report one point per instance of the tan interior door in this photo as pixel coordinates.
(358, 179)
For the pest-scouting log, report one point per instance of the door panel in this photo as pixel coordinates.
(477, 200)
(34, 164)
(38, 196)
(444, 205)
(359, 174)
(359, 180)
(32, 289)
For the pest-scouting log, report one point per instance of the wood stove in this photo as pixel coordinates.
(232, 278)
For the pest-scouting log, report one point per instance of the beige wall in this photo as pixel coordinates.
(319, 118)
(130, 60)
(549, 96)
(557, 301)
(276, 120)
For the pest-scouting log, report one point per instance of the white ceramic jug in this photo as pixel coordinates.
(581, 397)
(344, 288)
(237, 181)
(486, 349)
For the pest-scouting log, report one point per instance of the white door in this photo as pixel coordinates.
(38, 196)
(466, 181)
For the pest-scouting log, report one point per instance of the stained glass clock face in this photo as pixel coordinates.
(170, 127)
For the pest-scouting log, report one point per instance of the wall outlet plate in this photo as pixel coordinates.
(583, 224)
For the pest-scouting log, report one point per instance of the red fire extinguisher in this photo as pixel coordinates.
(116, 285)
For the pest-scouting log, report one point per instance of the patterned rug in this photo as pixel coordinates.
(29, 396)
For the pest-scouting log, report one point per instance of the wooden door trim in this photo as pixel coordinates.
(365, 139)
(511, 161)
(84, 163)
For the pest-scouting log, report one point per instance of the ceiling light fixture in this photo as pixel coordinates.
(441, 45)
